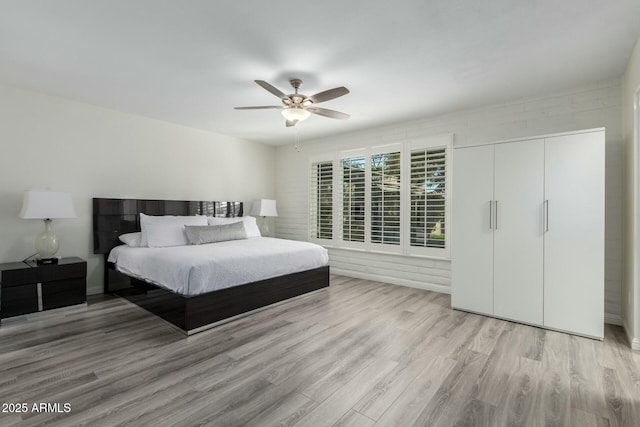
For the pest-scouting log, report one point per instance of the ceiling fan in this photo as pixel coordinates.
(297, 107)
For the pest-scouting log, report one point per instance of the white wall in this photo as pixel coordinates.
(631, 283)
(49, 142)
(596, 105)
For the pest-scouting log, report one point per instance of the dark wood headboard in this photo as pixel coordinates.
(113, 217)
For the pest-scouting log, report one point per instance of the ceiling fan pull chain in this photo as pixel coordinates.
(296, 145)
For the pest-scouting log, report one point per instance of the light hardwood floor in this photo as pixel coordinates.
(361, 353)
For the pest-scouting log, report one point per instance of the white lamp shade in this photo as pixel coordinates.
(264, 208)
(295, 113)
(44, 204)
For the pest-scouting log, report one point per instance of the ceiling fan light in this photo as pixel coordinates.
(295, 114)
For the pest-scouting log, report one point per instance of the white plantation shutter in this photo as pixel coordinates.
(428, 196)
(385, 198)
(353, 180)
(321, 200)
(390, 198)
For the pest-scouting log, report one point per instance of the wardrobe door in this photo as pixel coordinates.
(518, 240)
(574, 238)
(472, 245)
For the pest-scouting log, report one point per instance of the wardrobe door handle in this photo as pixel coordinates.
(546, 216)
(496, 214)
(490, 214)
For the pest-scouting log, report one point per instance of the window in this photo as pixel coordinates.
(385, 198)
(389, 198)
(321, 200)
(352, 177)
(428, 192)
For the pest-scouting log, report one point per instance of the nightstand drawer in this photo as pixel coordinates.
(17, 300)
(19, 277)
(62, 271)
(61, 293)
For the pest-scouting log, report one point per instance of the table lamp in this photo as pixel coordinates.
(47, 205)
(264, 208)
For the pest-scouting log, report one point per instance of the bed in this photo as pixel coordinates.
(202, 294)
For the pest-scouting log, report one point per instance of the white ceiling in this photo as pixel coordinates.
(190, 62)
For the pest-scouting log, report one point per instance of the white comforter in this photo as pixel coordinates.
(195, 269)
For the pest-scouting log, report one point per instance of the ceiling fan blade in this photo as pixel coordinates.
(291, 123)
(269, 88)
(328, 113)
(259, 108)
(328, 94)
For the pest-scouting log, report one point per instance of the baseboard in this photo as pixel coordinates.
(613, 319)
(393, 280)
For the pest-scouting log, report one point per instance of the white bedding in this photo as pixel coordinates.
(196, 269)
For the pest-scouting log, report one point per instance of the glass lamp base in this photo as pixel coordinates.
(47, 242)
(265, 227)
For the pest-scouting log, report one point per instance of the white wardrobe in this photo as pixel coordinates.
(528, 231)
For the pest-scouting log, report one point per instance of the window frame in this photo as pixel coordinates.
(405, 148)
(338, 212)
(446, 142)
(312, 215)
(386, 149)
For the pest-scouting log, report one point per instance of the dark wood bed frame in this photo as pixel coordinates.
(190, 314)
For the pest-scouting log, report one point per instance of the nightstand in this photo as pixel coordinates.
(26, 287)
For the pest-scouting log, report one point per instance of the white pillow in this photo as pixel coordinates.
(131, 239)
(162, 231)
(250, 226)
